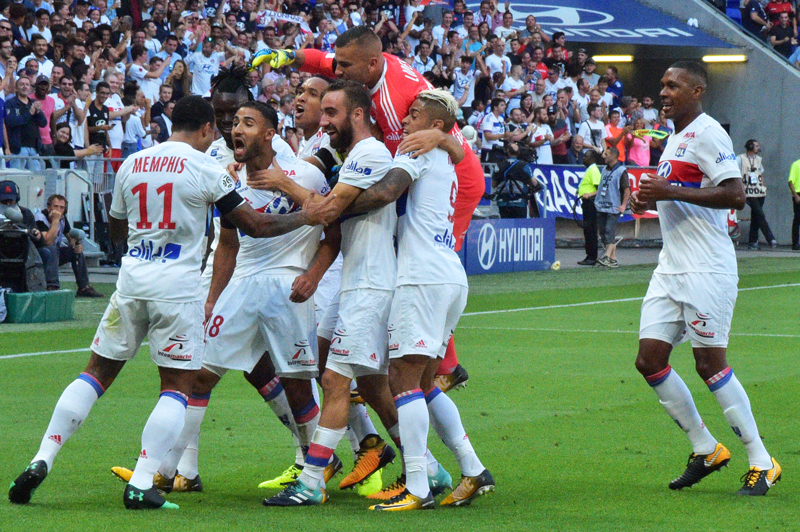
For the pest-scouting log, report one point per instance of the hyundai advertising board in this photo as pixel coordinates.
(511, 245)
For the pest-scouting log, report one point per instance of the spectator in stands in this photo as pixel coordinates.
(494, 132)
(554, 82)
(489, 14)
(136, 125)
(649, 113)
(782, 37)
(593, 130)
(98, 124)
(587, 190)
(611, 202)
(614, 84)
(537, 97)
(776, 7)
(164, 97)
(514, 185)
(541, 136)
(63, 146)
(423, 62)
(513, 87)
(478, 113)
(204, 65)
(755, 20)
(41, 26)
(180, 79)
(638, 147)
(23, 118)
(657, 146)
(576, 151)
(171, 51)
(752, 169)
(39, 51)
(589, 72)
(41, 94)
(497, 61)
(615, 134)
(62, 247)
(561, 135)
(165, 122)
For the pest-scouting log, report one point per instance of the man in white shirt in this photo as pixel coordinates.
(70, 108)
(514, 87)
(39, 49)
(41, 26)
(493, 128)
(152, 44)
(497, 61)
(204, 65)
(439, 33)
(157, 292)
(149, 80)
(693, 290)
(593, 130)
(430, 295)
(422, 61)
(541, 136)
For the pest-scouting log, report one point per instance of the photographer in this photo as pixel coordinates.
(62, 245)
(515, 186)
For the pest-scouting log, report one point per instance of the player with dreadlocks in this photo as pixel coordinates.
(179, 471)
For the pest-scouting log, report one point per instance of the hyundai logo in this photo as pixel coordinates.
(556, 15)
(664, 169)
(487, 246)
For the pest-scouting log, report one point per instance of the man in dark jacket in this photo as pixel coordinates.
(23, 118)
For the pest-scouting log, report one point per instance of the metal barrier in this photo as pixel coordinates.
(100, 170)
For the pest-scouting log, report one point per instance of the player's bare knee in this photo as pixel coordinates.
(334, 386)
(262, 373)
(180, 380)
(709, 362)
(204, 381)
(105, 370)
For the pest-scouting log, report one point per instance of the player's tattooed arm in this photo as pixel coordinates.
(305, 285)
(275, 179)
(729, 194)
(223, 266)
(381, 193)
(422, 142)
(262, 225)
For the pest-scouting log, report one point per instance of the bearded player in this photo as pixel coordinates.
(393, 85)
(693, 290)
(160, 199)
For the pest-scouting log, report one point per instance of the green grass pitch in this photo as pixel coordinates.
(575, 438)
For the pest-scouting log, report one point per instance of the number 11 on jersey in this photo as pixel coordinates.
(166, 220)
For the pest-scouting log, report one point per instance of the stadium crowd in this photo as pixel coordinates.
(111, 72)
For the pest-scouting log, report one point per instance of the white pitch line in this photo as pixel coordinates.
(60, 352)
(603, 302)
(600, 331)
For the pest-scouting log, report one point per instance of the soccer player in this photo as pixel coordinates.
(160, 195)
(229, 93)
(693, 289)
(393, 85)
(367, 446)
(429, 297)
(358, 347)
(283, 271)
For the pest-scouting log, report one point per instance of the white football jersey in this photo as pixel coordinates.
(696, 238)
(224, 156)
(368, 239)
(164, 192)
(307, 148)
(284, 254)
(425, 242)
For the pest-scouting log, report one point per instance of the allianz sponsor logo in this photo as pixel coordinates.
(725, 157)
(512, 244)
(352, 166)
(145, 250)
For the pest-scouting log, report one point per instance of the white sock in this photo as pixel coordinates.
(736, 406)
(413, 419)
(319, 454)
(677, 400)
(159, 435)
(306, 421)
(182, 458)
(71, 410)
(432, 465)
(446, 421)
(360, 422)
(275, 397)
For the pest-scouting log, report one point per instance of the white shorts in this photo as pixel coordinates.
(360, 341)
(689, 306)
(254, 315)
(174, 330)
(327, 324)
(328, 288)
(205, 285)
(423, 318)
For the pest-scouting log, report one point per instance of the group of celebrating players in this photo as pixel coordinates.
(283, 305)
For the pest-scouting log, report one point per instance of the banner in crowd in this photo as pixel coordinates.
(510, 245)
(264, 18)
(562, 183)
(603, 21)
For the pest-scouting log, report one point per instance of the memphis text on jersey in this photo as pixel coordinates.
(159, 164)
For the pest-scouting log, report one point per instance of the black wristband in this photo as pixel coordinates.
(227, 203)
